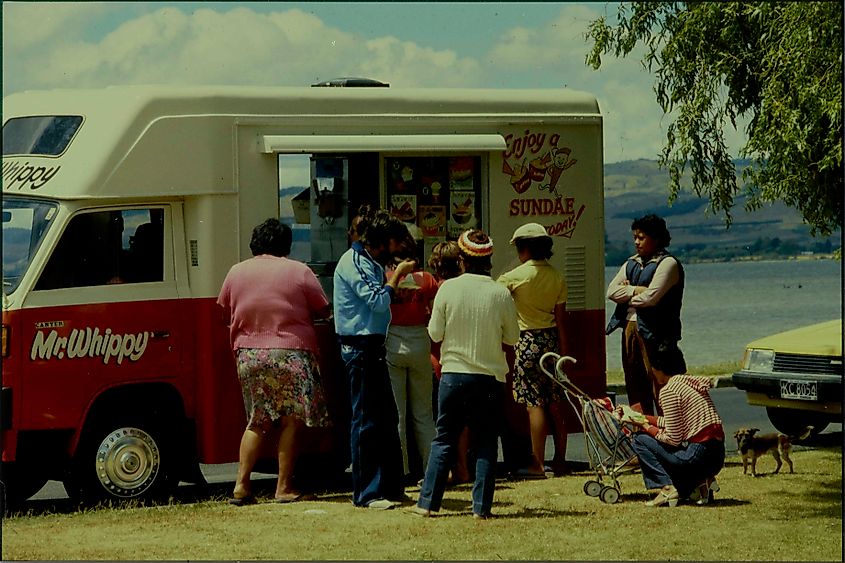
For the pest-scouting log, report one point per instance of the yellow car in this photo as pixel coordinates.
(797, 376)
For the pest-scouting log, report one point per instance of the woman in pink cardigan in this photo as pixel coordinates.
(270, 303)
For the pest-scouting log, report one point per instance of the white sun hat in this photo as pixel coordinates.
(529, 230)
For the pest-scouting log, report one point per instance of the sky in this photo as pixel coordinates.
(407, 44)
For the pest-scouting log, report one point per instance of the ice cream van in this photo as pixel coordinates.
(124, 208)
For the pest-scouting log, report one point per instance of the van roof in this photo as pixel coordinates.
(260, 100)
(166, 141)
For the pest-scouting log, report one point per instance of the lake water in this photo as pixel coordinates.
(726, 305)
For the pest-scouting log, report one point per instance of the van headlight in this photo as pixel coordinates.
(759, 360)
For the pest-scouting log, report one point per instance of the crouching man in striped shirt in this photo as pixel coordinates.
(680, 452)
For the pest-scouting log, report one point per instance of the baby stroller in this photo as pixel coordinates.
(609, 448)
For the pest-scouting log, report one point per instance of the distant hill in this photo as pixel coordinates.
(636, 187)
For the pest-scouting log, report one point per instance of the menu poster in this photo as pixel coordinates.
(461, 173)
(402, 176)
(432, 220)
(461, 212)
(404, 207)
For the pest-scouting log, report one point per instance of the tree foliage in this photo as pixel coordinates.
(775, 65)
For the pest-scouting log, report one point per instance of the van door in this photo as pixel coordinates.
(104, 313)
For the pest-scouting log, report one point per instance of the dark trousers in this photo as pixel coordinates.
(685, 466)
(376, 453)
(639, 385)
(464, 400)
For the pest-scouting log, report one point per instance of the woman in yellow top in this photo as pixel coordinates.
(539, 292)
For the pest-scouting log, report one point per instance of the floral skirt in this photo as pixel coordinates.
(531, 386)
(281, 382)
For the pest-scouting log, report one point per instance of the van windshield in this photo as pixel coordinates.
(25, 222)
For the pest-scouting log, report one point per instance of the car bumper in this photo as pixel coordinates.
(765, 389)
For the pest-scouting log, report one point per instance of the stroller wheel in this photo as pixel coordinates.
(609, 495)
(592, 488)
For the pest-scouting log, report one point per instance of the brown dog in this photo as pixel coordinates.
(751, 446)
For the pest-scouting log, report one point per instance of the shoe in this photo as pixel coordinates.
(455, 480)
(381, 504)
(703, 493)
(419, 511)
(402, 499)
(476, 516)
(712, 486)
(669, 498)
(527, 474)
(558, 468)
(242, 501)
(295, 498)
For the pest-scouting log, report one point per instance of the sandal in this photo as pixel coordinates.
(295, 498)
(527, 474)
(242, 501)
(668, 497)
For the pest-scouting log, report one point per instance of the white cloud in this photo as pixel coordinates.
(26, 25)
(50, 45)
(239, 46)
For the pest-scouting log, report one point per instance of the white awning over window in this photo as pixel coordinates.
(376, 143)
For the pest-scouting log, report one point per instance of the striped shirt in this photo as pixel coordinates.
(688, 411)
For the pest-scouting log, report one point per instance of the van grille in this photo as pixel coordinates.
(802, 363)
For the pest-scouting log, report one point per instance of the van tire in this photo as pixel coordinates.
(794, 422)
(122, 459)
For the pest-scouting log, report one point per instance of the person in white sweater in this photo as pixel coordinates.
(475, 321)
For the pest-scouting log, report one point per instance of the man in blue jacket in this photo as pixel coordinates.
(361, 303)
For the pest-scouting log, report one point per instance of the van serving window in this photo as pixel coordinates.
(370, 143)
(47, 135)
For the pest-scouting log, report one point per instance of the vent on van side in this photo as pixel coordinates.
(351, 82)
(575, 264)
(195, 255)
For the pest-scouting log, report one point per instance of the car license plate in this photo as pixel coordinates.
(801, 390)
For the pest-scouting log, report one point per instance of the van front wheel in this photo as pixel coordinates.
(120, 462)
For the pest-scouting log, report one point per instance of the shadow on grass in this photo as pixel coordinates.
(461, 508)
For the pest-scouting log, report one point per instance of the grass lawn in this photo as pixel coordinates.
(772, 517)
(726, 369)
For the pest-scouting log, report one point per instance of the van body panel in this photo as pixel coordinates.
(202, 163)
(73, 352)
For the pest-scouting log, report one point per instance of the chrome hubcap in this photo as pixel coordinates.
(128, 462)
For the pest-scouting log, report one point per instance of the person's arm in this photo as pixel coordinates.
(510, 356)
(367, 282)
(510, 330)
(224, 301)
(619, 290)
(665, 276)
(510, 322)
(670, 427)
(437, 323)
(316, 298)
(404, 268)
(561, 320)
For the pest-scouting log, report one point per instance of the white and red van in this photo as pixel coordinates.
(124, 207)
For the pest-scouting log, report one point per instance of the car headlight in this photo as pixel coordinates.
(759, 360)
